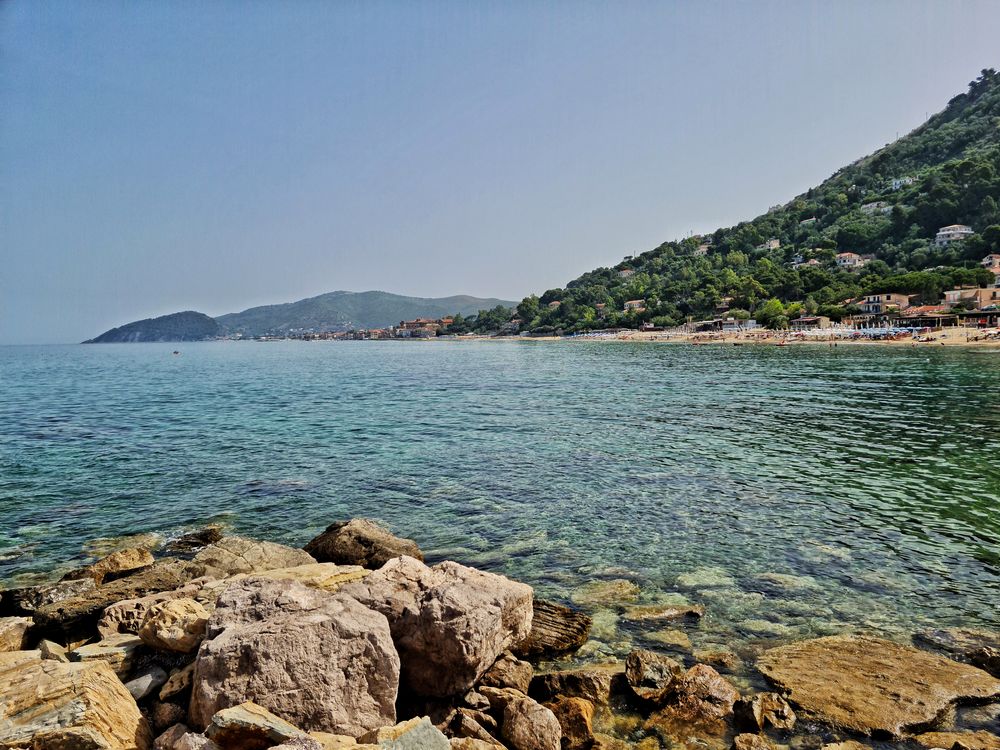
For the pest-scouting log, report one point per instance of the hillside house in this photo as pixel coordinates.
(635, 305)
(900, 182)
(626, 273)
(980, 298)
(992, 262)
(810, 322)
(876, 207)
(771, 244)
(554, 305)
(701, 250)
(851, 261)
(879, 304)
(952, 233)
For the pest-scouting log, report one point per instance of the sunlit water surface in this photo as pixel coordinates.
(867, 478)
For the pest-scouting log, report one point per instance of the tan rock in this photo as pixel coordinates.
(50, 704)
(175, 625)
(470, 743)
(236, 554)
(594, 683)
(54, 651)
(127, 615)
(11, 659)
(319, 660)
(75, 618)
(248, 726)
(334, 741)
(751, 742)
(719, 658)
(555, 630)
(758, 712)
(981, 740)
(651, 675)
(416, 734)
(119, 652)
(528, 725)
(13, 633)
(325, 576)
(872, 686)
(361, 542)
(450, 623)
(509, 671)
(178, 681)
(575, 717)
(122, 561)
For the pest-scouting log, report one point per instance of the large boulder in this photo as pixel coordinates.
(509, 671)
(698, 706)
(127, 615)
(120, 652)
(176, 625)
(450, 623)
(555, 630)
(236, 554)
(595, 683)
(321, 661)
(528, 725)
(873, 686)
(576, 718)
(416, 734)
(360, 542)
(51, 704)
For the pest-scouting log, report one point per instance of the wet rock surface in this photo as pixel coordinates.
(555, 630)
(872, 686)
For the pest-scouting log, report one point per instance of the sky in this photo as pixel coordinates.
(173, 155)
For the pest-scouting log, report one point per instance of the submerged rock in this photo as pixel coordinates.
(555, 630)
(450, 623)
(981, 648)
(758, 712)
(616, 591)
(360, 542)
(873, 686)
(51, 704)
(699, 703)
(643, 612)
(322, 661)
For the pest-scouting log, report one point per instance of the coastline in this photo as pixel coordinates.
(220, 642)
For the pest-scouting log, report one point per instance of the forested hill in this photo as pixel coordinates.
(888, 205)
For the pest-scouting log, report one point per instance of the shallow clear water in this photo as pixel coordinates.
(871, 474)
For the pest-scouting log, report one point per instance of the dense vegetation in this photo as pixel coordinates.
(181, 326)
(947, 171)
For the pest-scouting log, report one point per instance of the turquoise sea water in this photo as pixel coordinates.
(868, 479)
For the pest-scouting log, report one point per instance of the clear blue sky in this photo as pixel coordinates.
(160, 156)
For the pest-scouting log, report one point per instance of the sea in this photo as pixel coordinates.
(791, 491)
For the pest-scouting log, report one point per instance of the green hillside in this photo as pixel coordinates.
(947, 171)
(338, 311)
(181, 326)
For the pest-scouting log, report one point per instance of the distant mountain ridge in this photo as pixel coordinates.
(182, 326)
(333, 311)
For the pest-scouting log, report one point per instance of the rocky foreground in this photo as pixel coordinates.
(230, 643)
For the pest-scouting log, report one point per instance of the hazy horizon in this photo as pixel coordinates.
(165, 157)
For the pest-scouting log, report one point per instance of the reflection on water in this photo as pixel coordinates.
(793, 492)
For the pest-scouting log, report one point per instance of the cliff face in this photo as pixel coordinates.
(182, 326)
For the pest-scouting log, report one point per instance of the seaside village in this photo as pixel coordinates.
(971, 312)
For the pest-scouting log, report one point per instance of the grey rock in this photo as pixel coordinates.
(146, 683)
(360, 542)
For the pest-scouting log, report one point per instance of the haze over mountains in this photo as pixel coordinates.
(333, 311)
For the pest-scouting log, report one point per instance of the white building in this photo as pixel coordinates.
(850, 261)
(876, 207)
(952, 233)
(901, 182)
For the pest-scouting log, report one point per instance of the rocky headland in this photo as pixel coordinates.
(222, 642)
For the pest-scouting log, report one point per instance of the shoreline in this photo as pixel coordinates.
(222, 642)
